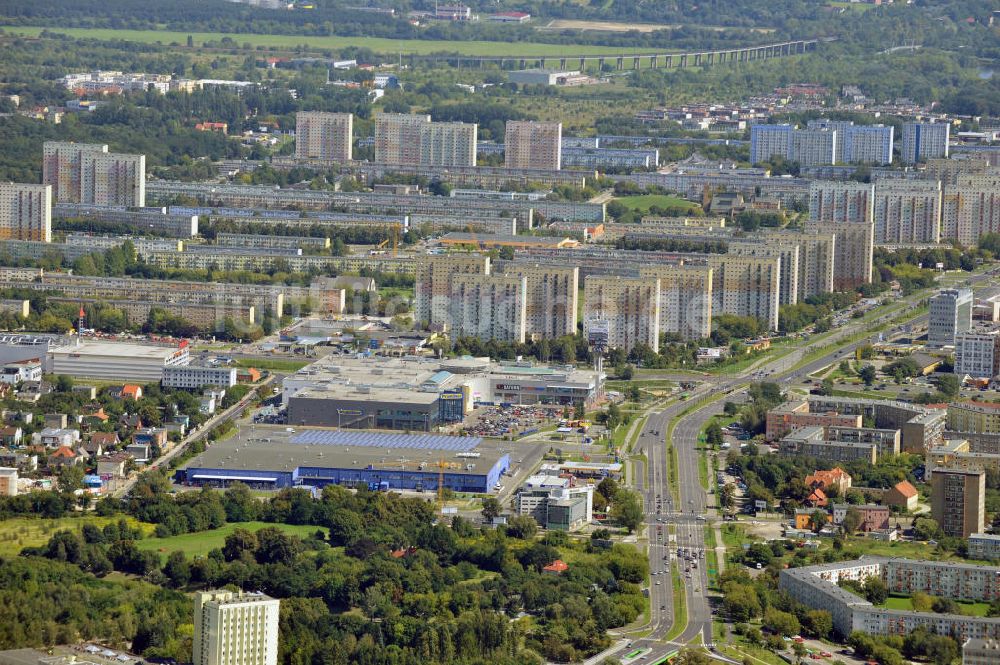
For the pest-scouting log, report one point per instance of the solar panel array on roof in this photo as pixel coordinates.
(379, 440)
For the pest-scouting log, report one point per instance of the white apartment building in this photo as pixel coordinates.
(113, 179)
(489, 306)
(924, 140)
(320, 135)
(977, 354)
(971, 208)
(413, 140)
(235, 629)
(812, 147)
(769, 140)
(817, 255)
(853, 249)
(950, 314)
(985, 546)
(533, 145)
(432, 285)
(907, 211)
(746, 286)
(195, 377)
(25, 212)
(630, 307)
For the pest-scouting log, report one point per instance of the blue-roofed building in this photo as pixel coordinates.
(271, 457)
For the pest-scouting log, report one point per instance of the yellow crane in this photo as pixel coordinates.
(441, 465)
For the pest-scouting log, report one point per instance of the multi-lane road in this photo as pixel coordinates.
(688, 514)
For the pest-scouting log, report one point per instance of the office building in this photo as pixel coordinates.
(853, 249)
(552, 297)
(62, 168)
(533, 145)
(769, 140)
(235, 628)
(327, 136)
(950, 314)
(629, 307)
(112, 179)
(685, 298)
(413, 140)
(977, 354)
(554, 504)
(958, 500)
(197, 376)
(924, 140)
(25, 212)
(907, 211)
(974, 417)
(432, 285)
(488, 306)
(841, 201)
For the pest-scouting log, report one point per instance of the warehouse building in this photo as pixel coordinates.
(114, 361)
(271, 457)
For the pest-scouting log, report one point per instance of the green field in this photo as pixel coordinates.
(20, 532)
(202, 542)
(643, 203)
(377, 44)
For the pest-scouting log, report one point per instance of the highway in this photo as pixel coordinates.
(690, 516)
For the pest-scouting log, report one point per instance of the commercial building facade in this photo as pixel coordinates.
(194, 377)
(950, 314)
(977, 354)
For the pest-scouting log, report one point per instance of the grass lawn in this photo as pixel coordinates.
(274, 364)
(202, 542)
(680, 605)
(905, 603)
(377, 44)
(643, 203)
(733, 536)
(20, 532)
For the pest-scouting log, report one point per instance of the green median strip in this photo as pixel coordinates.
(680, 605)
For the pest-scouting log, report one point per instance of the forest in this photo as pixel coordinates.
(381, 581)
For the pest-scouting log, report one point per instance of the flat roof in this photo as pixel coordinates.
(119, 350)
(351, 393)
(269, 449)
(385, 440)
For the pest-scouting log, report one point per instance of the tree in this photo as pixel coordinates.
(819, 623)
(926, 528)
(177, 569)
(852, 521)
(523, 526)
(875, 590)
(71, 478)
(64, 383)
(627, 509)
(727, 496)
(491, 509)
(713, 434)
(741, 602)
(240, 544)
(782, 623)
(948, 384)
(818, 520)
(867, 374)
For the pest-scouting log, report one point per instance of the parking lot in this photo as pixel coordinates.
(500, 421)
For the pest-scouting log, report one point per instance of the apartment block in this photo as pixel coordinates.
(978, 651)
(62, 168)
(685, 298)
(630, 307)
(553, 293)
(432, 284)
(777, 246)
(413, 140)
(746, 286)
(147, 221)
(841, 201)
(865, 144)
(853, 249)
(25, 212)
(197, 376)
(958, 500)
(320, 135)
(977, 354)
(488, 306)
(8, 481)
(113, 179)
(769, 140)
(812, 147)
(950, 314)
(812, 442)
(974, 417)
(533, 145)
(985, 546)
(817, 256)
(924, 140)
(907, 211)
(971, 208)
(235, 628)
